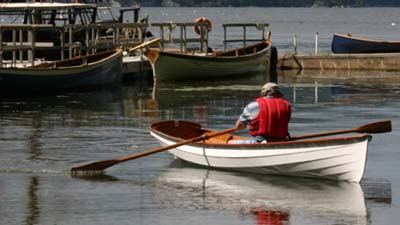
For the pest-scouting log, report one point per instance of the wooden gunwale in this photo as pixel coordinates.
(78, 61)
(223, 56)
(270, 145)
(50, 69)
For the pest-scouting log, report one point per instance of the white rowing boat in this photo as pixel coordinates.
(337, 158)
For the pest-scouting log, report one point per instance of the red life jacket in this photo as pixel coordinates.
(273, 118)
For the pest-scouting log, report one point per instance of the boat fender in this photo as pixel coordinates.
(202, 20)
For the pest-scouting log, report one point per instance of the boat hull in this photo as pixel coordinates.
(176, 66)
(345, 44)
(106, 71)
(341, 158)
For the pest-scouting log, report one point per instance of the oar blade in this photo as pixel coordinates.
(376, 127)
(95, 166)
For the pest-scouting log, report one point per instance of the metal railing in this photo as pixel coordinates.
(20, 42)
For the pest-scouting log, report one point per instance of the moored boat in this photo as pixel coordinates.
(103, 68)
(337, 158)
(178, 66)
(204, 62)
(348, 44)
(51, 31)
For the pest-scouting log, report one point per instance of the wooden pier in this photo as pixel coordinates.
(24, 45)
(62, 31)
(381, 61)
(333, 61)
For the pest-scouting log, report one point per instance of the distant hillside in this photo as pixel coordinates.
(264, 3)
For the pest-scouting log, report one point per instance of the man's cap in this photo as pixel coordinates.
(268, 87)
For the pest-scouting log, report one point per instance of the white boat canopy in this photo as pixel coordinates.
(44, 6)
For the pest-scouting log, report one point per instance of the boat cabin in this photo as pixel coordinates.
(55, 31)
(53, 13)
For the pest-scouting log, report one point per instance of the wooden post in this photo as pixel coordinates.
(202, 37)
(70, 42)
(33, 46)
(1, 48)
(162, 37)
(225, 38)
(97, 36)
(117, 38)
(316, 43)
(295, 44)
(140, 33)
(31, 40)
(263, 34)
(92, 40)
(21, 52)
(170, 33)
(182, 39)
(87, 39)
(206, 40)
(136, 15)
(62, 39)
(244, 35)
(14, 53)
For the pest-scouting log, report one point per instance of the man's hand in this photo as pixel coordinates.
(240, 125)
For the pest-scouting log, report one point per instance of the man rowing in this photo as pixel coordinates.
(267, 117)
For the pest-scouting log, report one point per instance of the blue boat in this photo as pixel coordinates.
(347, 44)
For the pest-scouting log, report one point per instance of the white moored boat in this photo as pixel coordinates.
(177, 66)
(204, 63)
(337, 158)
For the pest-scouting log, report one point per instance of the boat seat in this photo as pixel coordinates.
(223, 139)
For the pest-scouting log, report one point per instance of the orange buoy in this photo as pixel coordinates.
(201, 20)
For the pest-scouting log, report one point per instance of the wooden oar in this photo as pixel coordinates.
(144, 44)
(104, 164)
(376, 127)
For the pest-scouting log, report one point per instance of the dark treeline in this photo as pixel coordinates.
(266, 3)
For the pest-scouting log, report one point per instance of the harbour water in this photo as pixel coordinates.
(43, 136)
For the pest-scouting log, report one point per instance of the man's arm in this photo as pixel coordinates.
(249, 113)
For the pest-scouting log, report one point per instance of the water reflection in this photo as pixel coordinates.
(267, 217)
(377, 191)
(304, 202)
(165, 100)
(32, 204)
(307, 87)
(34, 139)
